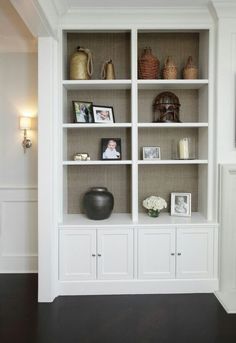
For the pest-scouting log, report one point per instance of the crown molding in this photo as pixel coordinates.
(224, 9)
(163, 16)
(38, 15)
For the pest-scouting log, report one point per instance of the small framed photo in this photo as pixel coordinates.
(151, 153)
(111, 149)
(83, 111)
(181, 204)
(103, 114)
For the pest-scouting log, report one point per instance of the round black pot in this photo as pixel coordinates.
(98, 203)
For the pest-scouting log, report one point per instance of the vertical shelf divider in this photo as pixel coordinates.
(134, 120)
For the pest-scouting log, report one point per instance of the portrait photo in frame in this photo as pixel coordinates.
(111, 149)
(181, 204)
(103, 114)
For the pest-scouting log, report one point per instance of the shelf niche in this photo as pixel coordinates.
(79, 180)
(120, 100)
(178, 45)
(89, 141)
(162, 180)
(167, 139)
(193, 109)
(104, 45)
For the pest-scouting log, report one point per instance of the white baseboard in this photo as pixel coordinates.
(137, 287)
(227, 300)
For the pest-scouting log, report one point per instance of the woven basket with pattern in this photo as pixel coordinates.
(170, 69)
(148, 65)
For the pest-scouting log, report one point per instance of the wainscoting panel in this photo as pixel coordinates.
(18, 230)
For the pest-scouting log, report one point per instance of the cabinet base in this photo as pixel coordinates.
(137, 287)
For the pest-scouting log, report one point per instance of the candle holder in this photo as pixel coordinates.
(186, 150)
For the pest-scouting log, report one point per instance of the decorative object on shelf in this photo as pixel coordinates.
(81, 64)
(103, 114)
(154, 205)
(151, 153)
(108, 71)
(170, 69)
(190, 71)
(184, 146)
(98, 203)
(111, 149)
(148, 65)
(84, 156)
(83, 111)
(25, 124)
(166, 108)
(181, 204)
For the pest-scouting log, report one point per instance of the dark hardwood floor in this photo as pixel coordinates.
(189, 318)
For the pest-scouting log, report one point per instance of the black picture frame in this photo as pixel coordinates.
(83, 112)
(107, 152)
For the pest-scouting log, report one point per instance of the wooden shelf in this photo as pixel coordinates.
(125, 219)
(166, 219)
(174, 125)
(96, 84)
(115, 220)
(100, 162)
(172, 84)
(95, 125)
(146, 162)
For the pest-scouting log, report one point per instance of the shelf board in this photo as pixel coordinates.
(94, 125)
(96, 162)
(116, 219)
(174, 125)
(125, 219)
(148, 162)
(172, 84)
(166, 219)
(96, 84)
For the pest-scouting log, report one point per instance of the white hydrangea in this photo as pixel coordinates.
(154, 203)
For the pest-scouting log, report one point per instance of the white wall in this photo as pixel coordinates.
(18, 171)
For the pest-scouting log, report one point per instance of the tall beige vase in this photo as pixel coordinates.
(81, 64)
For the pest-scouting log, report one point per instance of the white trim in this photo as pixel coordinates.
(137, 287)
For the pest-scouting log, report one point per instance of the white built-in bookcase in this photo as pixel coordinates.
(132, 179)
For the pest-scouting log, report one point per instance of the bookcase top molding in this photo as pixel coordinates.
(145, 17)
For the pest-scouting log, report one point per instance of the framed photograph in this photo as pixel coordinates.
(83, 111)
(181, 204)
(103, 114)
(151, 153)
(111, 149)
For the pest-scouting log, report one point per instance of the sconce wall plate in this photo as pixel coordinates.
(25, 124)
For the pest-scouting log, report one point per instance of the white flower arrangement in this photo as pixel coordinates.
(154, 205)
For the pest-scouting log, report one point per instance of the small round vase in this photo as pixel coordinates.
(98, 203)
(153, 213)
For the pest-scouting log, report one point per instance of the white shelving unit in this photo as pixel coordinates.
(128, 253)
(131, 97)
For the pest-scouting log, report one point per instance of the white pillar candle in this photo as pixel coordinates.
(184, 149)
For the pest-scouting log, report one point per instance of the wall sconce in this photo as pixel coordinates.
(25, 124)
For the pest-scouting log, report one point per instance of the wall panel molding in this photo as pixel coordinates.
(18, 229)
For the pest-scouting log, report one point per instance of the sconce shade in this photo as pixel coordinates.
(25, 123)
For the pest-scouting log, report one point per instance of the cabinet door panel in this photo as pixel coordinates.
(76, 260)
(115, 254)
(195, 253)
(156, 251)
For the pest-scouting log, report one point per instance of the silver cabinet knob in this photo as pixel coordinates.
(179, 253)
(172, 254)
(94, 255)
(99, 255)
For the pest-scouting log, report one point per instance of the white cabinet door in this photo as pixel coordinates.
(77, 254)
(195, 253)
(115, 254)
(156, 251)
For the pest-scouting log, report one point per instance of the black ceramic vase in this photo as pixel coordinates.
(98, 203)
